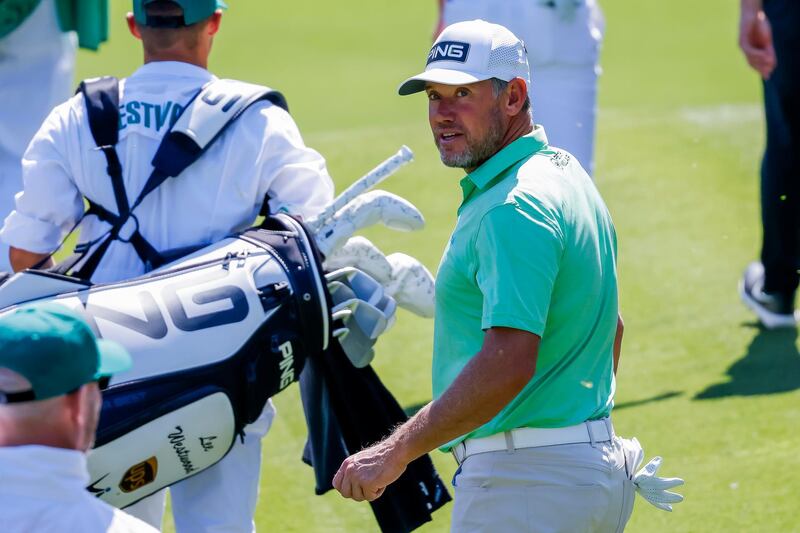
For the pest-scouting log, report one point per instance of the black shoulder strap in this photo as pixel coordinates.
(101, 96)
(101, 99)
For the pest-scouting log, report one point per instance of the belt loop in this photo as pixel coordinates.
(609, 427)
(592, 440)
(455, 449)
(509, 442)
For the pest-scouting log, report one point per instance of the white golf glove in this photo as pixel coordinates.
(654, 489)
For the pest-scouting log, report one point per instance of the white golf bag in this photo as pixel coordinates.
(213, 336)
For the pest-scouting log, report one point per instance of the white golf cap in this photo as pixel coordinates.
(471, 51)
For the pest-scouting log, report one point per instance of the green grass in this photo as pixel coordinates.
(679, 139)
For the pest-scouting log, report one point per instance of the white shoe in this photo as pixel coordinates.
(773, 310)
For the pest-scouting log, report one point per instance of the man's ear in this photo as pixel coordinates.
(133, 27)
(516, 94)
(214, 22)
(74, 405)
(73, 416)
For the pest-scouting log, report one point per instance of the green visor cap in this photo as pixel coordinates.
(55, 351)
(193, 10)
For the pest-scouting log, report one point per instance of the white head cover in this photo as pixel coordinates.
(472, 51)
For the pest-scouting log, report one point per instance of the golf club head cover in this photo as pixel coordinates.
(403, 277)
(364, 211)
(370, 312)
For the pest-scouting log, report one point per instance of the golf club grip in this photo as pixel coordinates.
(363, 184)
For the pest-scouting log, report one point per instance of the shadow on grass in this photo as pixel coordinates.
(771, 365)
(644, 401)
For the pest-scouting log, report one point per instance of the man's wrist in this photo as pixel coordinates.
(408, 441)
(402, 446)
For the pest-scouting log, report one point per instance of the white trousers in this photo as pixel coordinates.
(221, 499)
(569, 488)
(37, 64)
(563, 54)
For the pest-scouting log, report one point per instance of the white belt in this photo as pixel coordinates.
(591, 432)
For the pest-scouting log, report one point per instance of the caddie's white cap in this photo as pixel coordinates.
(471, 51)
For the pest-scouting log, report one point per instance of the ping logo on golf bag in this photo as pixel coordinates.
(448, 51)
(222, 304)
(287, 364)
(190, 306)
(139, 475)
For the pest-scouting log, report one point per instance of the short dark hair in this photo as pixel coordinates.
(165, 28)
(164, 14)
(499, 86)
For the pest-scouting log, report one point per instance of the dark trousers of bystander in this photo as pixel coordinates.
(780, 169)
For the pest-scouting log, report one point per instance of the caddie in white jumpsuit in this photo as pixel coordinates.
(37, 63)
(260, 155)
(563, 39)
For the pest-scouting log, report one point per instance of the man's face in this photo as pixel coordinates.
(466, 122)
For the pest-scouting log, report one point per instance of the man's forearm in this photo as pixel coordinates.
(483, 388)
(23, 259)
(489, 381)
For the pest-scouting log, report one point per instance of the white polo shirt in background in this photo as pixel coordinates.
(262, 152)
(43, 489)
(37, 62)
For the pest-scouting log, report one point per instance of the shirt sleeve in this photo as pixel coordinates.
(49, 204)
(518, 254)
(297, 177)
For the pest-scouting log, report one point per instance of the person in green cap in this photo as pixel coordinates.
(50, 365)
(257, 163)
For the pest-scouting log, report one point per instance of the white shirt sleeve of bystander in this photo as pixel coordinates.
(50, 203)
(295, 175)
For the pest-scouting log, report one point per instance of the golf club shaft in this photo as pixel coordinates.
(362, 185)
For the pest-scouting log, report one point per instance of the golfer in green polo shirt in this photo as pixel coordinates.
(527, 330)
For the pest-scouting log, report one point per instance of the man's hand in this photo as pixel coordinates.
(491, 379)
(365, 475)
(755, 38)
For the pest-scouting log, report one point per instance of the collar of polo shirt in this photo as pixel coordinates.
(508, 156)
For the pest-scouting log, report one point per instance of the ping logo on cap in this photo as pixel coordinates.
(448, 51)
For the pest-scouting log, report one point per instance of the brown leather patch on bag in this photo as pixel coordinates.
(139, 475)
